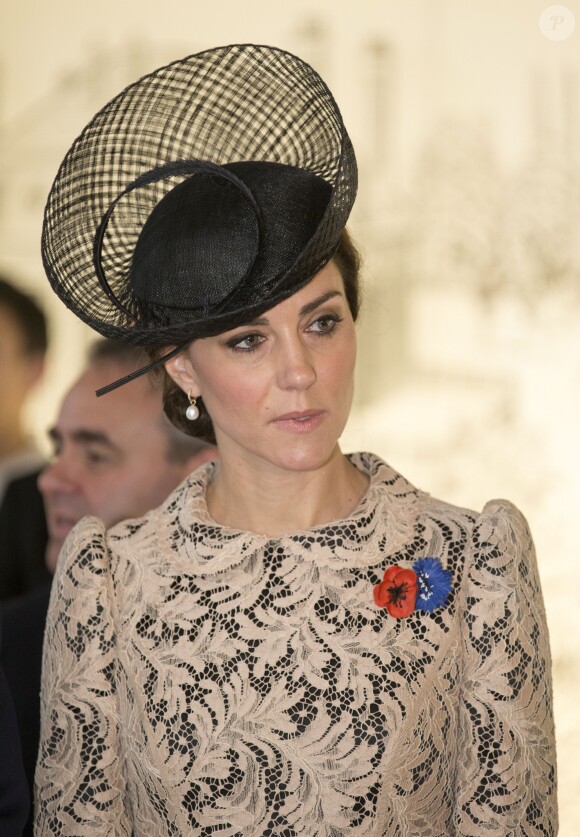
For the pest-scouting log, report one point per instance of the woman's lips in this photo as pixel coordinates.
(300, 422)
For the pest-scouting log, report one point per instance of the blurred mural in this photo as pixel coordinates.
(466, 122)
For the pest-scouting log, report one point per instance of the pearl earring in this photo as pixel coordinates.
(192, 412)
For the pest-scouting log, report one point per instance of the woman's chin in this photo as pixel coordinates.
(303, 458)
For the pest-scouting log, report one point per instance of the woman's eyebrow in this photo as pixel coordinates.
(306, 309)
(320, 300)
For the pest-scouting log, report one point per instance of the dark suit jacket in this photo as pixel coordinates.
(23, 538)
(14, 797)
(23, 622)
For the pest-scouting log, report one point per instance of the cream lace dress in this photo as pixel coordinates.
(203, 681)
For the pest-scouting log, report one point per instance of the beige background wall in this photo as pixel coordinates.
(466, 122)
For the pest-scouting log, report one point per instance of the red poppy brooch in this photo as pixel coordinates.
(425, 587)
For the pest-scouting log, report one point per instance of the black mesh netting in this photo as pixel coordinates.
(227, 105)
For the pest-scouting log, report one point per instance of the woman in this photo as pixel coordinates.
(297, 641)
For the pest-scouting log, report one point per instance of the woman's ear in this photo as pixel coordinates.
(180, 369)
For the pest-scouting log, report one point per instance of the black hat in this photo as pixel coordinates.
(199, 197)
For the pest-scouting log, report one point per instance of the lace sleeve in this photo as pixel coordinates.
(80, 784)
(506, 780)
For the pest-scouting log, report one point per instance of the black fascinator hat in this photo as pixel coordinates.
(199, 197)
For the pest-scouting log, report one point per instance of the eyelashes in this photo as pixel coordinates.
(332, 321)
(254, 340)
(323, 326)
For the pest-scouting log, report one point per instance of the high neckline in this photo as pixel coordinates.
(388, 510)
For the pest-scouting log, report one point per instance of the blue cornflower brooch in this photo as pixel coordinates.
(425, 587)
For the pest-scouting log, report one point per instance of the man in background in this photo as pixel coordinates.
(23, 343)
(115, 457)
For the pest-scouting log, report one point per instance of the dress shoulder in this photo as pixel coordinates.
(80, 582)
(84, 545)
(503, 523)
(502, 571)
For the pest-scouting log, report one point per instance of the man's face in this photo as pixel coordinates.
(110, 455)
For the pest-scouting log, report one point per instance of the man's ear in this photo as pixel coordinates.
(180, 369)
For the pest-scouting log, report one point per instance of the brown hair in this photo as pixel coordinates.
(175, 402)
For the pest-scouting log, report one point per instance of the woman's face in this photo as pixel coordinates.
(279, 389)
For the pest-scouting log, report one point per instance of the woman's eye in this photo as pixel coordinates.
(326, 324)
(245, 343)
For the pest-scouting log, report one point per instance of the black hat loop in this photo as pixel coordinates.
(180, 167)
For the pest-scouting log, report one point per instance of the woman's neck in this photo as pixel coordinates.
(273, 502)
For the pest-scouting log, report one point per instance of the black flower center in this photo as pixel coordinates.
(398, 593)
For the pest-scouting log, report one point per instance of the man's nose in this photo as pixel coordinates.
(57, 476)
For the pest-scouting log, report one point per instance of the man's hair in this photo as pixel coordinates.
(104, 349)
(180, 446)
(27, 315)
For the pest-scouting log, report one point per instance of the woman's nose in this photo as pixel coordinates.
(296, 367)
